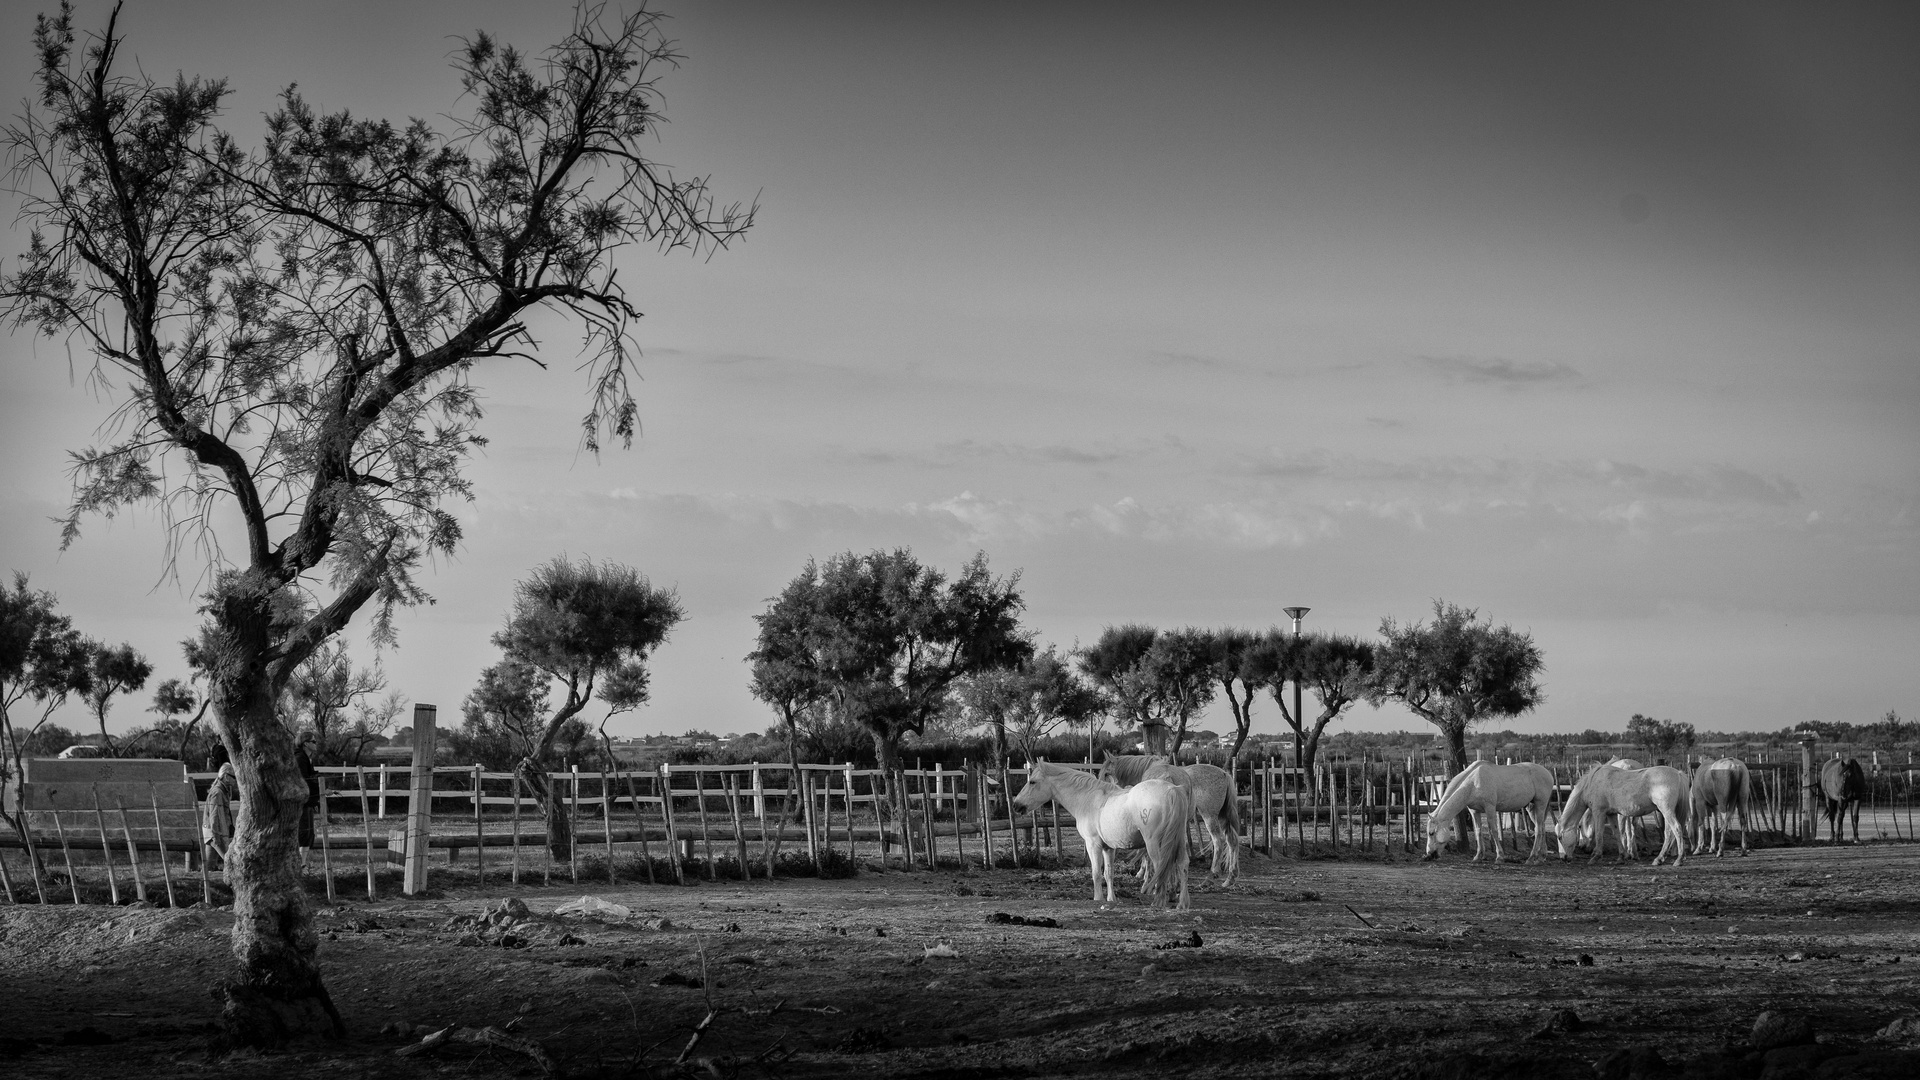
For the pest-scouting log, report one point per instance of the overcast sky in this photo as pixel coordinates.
(1602, 320)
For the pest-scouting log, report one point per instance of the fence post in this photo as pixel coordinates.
(419, 803)
(1809, 824)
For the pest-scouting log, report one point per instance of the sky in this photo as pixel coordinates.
(1603, 320)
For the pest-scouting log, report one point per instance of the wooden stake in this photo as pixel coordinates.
(516, 825)
(160, 837)
(366, 828)
(983, 815)
(1013, 824)
(479, 827)
(846, 779)
(200, 846)
(573, 833)
(739, 831)
(326, 855)
(73, 882)
(673, 831)
(766, 852)
(813, 845)
(606, 820)
(106, 846)
(706, 837)
(640, 822)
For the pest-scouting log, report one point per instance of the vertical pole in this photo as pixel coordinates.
(606, 821)
(959, 826)
(326, 855)
(573, 834)
(133, 856)
(673, 834)
(984, 816)
(160, 837)
(846, 777)
(766, 847)
(640, 822)
(813, 842)
(739, 830)
(516, 826)
(1807, 835)
(479, 828)
(1013, 827)
(366, 829)
(706, 838)
(420, 800)
(383, 791)
(106, 846)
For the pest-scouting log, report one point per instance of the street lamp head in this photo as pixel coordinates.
(1296, 614)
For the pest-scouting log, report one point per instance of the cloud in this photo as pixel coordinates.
(1190, 360)
(951, 454)
(1500, 371)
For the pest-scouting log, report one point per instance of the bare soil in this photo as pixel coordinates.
(1381, 967)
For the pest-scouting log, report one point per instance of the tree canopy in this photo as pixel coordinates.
(589, 627)
(1456, 672)
(292, 333)
(887, 638)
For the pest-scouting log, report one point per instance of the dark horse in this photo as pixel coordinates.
(1842, 784)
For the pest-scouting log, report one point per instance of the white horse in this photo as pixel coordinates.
(1489, 790)
(1626, 793)
(1720, 790)
(1216, 800)
(1151, 815)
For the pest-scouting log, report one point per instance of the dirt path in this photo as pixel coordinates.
(1443, 969)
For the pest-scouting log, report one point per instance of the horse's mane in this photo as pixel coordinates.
(1128, 769)
(1073, 779)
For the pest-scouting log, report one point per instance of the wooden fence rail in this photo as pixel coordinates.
(735, 820)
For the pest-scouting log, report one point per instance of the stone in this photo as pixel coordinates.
(1870, 1065)
(1632, 1063)
(1795, 1062)
(1775, 1029)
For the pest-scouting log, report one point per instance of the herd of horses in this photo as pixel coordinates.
(1140, 803)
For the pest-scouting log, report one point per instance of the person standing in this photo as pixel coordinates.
(216, 817)
(303, 760)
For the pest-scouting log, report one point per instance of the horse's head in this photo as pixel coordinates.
(1572, 831)
(1439, 835)
(1038, 788)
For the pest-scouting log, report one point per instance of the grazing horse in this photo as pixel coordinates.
(1720, 789)
(1842, 785)
(1151, 815)
(1627, 793)
(1210, 788)
(1489, 790)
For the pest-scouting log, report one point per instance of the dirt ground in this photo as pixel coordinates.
(1303, 968)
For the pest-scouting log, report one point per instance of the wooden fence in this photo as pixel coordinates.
(736, 820)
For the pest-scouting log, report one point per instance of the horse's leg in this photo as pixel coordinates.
(1538, 812)
(1856, 821)
(1094, 850)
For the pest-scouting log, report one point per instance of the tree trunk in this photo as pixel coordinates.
(277, 994)
(553, 810)
(887, 750)
(797, 807)
(999, 729)
(1456, 735)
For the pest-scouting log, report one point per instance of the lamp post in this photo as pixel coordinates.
(1299, 720)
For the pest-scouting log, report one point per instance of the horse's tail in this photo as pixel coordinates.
(1230, 812)
(1164, 829)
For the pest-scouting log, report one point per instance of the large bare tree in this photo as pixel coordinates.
(291, 334)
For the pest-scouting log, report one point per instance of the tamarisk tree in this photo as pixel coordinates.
(1456, 671)
(291, 335)
(588, 628)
